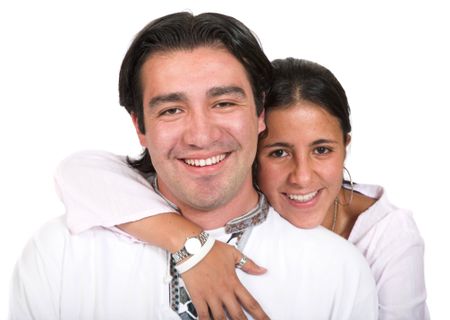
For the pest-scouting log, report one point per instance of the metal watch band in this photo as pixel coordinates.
(182, 254)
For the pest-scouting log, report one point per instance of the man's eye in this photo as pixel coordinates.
(224, 104)
(278, 153)
(322, 150)
(171, 111)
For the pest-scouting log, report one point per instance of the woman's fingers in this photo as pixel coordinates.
(250, 304)
(215, 289)
(249, 266)
(201, 308)
(233, 303)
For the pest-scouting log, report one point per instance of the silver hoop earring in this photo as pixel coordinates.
(350, 181)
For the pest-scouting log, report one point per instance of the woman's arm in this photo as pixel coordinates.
(401, 284)
(100, 189)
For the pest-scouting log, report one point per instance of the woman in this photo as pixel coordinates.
(299, 167)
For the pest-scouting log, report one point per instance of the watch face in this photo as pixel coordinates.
(193, 245)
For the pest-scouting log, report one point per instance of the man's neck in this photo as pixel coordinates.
(219, 217)
(244, 201)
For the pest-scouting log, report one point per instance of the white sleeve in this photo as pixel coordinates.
(401, 285)
(36, 281)
(100, 189)
(366, 303)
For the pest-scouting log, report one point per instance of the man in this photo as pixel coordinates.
(194, 86)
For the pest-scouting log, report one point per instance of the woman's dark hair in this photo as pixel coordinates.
(295, 80)
(181, 31)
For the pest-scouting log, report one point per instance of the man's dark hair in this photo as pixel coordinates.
(181, 31)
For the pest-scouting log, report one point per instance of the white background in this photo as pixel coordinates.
(59, 64)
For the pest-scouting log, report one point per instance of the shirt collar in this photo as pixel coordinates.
(254, 217)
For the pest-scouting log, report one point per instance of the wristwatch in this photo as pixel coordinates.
(191, 247)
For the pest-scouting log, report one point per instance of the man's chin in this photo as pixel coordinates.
(205, 201)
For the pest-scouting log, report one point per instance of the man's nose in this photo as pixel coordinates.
(201, 130)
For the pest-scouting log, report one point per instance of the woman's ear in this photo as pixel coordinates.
(348, 138)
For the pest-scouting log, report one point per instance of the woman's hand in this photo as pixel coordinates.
(215, 289)
(213, 284)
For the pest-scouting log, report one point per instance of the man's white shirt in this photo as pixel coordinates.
(102, 274)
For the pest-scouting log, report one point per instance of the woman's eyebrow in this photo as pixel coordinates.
(322, 141)
(279, 145)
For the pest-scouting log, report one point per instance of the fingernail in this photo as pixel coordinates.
(262, 269)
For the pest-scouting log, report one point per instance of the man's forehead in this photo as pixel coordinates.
(207, 71)
(214, 92)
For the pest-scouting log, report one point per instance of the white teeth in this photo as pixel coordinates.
(205, 162)
(302, 198)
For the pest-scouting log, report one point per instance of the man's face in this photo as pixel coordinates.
(201, 126)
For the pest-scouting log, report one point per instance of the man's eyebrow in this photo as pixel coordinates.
(219, 91)
(171, 97)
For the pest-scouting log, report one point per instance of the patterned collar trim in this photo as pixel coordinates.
(252, 218)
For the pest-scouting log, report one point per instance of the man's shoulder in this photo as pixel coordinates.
(280, 225)
(51, 231)
(53, 239)
(54, 246)
(46, 246)
(319, 240)
(313, 265)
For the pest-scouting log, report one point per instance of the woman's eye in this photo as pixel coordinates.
(322, 150)
(278, 153)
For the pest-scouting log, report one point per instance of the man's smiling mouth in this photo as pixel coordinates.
(205, 162)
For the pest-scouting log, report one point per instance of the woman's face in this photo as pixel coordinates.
(300, 162)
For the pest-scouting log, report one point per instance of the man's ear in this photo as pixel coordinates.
(141, 136)
(261, 122)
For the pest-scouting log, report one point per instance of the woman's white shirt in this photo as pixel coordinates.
(389, 239)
